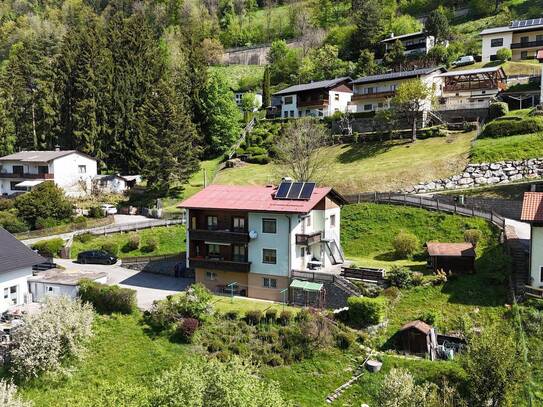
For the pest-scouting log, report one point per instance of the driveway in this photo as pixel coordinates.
(149, 287)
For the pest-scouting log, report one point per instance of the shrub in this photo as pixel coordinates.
(133, 242)
(253, 150)
(108, 299)
(187, 328)
(6, 204)
(111, 248)
(45, 339)
(85, 237)
(285, 317)
(507, 128)
(10, 222)
(368, 290)
(96, 212)
(232, 315)
(497, 109)
(253, 317)
(151, 245)
(259, 159)
(366, 311)
(271, 315)
(80, 222)
(400, 277)
(439, 278)
(46, 223)
(344, 340)
(405, 244)
(504, 54)
(417, 279)
(9, 397)
(431, 317)
(392, 293)
(472, 236)
(50, 247)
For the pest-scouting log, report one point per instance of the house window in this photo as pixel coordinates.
(367, 107)
(308, 220)
(212, 223)
(18, 169)
(285, 114)
(524, 40)
(6, 293)
(13, 186)
(43, 169)
(269, 282)
(269, 256)
(320, 113)
(321, 97)
(269, 225)
(493, 57)
(524, 55)
(211, 275)
(539, 37)
(240, 252)
(380, 105)
(369, 91)
(194, 223)
(82, 169)
(213, 249)
(13, 294)
(307, 112)
(496, 42)
(332, 221)
(238, 223)
(336, 96)
(299, 113)
(302, 251)
(288, 100)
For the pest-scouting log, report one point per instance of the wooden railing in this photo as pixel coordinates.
(26, 175)
(308, 239)
(219, 264)
(369, 274)
(533, 291)
(71, 227)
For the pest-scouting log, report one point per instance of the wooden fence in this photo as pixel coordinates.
(134, 226)
(58, 230)
(365, 274)
(427, 203)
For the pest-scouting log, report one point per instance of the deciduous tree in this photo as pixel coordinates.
(410, 100)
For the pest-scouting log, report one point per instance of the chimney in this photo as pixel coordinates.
(57, 148)
(391, 35)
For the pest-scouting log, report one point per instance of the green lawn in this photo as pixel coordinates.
(376, 166)
(507, 148)
(528, 67)
(234, 73)
(171, 239)
(224, 304)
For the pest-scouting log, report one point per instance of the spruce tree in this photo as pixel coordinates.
(266, 93)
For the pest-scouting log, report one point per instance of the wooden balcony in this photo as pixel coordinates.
(362, 96)
(26, 175)
(220, 264)
(533, 291)
(306, 240)
(313, 103)
(527, 44)
(220, 236)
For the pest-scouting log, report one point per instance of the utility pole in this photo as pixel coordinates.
(205, 178)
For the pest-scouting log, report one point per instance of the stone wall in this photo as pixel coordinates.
(476, 175)
(505, 207)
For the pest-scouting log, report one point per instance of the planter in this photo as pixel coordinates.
(373, 366)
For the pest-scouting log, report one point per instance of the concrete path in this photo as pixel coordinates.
(149, 287)
(523, 229)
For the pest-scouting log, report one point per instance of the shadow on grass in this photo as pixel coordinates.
(355, 152)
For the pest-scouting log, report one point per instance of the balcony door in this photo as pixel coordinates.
(18, 169)
(43, 169)
(239, 253)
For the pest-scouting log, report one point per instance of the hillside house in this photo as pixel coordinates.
(318, 99)
(417, 43)
(523, 37)
(70, 170)
(238, 97)
(373, 93)
(248, 239)
(470, 89)
(16, 262)
(532, 212)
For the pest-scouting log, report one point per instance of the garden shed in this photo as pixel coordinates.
(417, 337)
(307, 293)
(451, 257)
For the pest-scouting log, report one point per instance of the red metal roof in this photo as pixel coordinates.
(251, 198)
(532, 210)
(450, 249)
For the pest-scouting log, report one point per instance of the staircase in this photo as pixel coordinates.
(434, 118)
(334, 249)
(248, 128)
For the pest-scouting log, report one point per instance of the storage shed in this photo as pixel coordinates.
(60, 282)
(307, 294)
(417, 337)
(451, 257)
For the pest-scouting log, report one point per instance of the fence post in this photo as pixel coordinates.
(420, 201)
(437, 204)
(404, 200)
(472, 211)
(359, 197)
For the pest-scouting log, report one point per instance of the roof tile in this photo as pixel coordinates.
(532, 209)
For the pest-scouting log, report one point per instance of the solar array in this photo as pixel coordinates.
(526, 23)
(295, 190)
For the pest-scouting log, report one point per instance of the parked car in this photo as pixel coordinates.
(465, 60)
(96, 257)
(109, 209)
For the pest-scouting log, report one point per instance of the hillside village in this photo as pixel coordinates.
(303, 203)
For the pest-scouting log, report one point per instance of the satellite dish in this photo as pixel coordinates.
(253, 234)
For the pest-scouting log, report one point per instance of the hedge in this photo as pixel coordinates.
(505, 128)
(50, 247)
(366, 311)
(108, 299)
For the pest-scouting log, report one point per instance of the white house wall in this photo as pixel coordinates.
(14, 278)
(488, 50)
(67, 175)
(338, 105)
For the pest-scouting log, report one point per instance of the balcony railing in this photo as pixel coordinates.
(533, 291)
(308, 239)
(313, 102)
(220, 236)
(527, 44)
(219, 264)
(26, 175)
(388, 93)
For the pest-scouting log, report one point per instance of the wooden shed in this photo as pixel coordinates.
(417, 337)
(457, 258)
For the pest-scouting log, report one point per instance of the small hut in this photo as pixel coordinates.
(417, 337)
(307, 293)
(457, 258)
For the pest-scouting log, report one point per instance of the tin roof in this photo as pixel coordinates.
(418, 325)
(399, 75)
(450, 249)
(401, 37)
(40, 156)
(473, 71)
(15, 255)
(329, 83)
(532, 209)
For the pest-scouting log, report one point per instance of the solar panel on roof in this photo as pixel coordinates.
(526, 23)
(307, 190)
(295, 190)
(282, 191)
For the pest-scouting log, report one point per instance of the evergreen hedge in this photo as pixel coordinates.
(108, 299)
(366, 311)
(505, 128)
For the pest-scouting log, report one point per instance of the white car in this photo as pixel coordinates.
(465, 60)
(109, 209)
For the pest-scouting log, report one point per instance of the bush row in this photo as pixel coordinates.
(108, 299)
(505, 128)
(50, 247)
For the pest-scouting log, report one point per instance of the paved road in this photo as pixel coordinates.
(149, 287)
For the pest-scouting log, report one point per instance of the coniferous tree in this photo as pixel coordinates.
(266, 93)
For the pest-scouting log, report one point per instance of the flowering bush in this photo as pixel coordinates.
(45, 339)
(187, 328)
(8, 395)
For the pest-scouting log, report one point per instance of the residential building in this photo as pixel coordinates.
(114, 183)
(372, 93)
(57, 282)
(532, 212)
(523, 37)
(248, 239)
(417, 43)
(16, 262)
(71, 170)
(319, 99)
(470, 89)
(238, 97)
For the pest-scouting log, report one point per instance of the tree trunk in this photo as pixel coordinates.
(414, 130)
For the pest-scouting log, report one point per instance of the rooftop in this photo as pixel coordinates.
(63, 277)
(450, 249)
(532, 209)
(313, 86)
(255, 198)
(518, 25)
(399, 75)
(400, 37)
(15, 255)
(418, 325)
(477, 71)
(39, 156)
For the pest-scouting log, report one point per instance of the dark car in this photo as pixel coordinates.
(96, 257)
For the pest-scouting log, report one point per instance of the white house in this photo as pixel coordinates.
(414, 43)
(523, 37)
(16, 261)
(319, 99)
(71, 170)
(532, 212)
(56, 282)
(249, 239)
(238, 97)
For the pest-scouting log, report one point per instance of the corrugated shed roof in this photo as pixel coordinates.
(399, 75)
(253, 198)
(450, 249)
(64, 277)
(312, 86)
(532, 208)
(418, 325)
(39, 156)
(399, 37)
(15, 255)
(473, 71)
